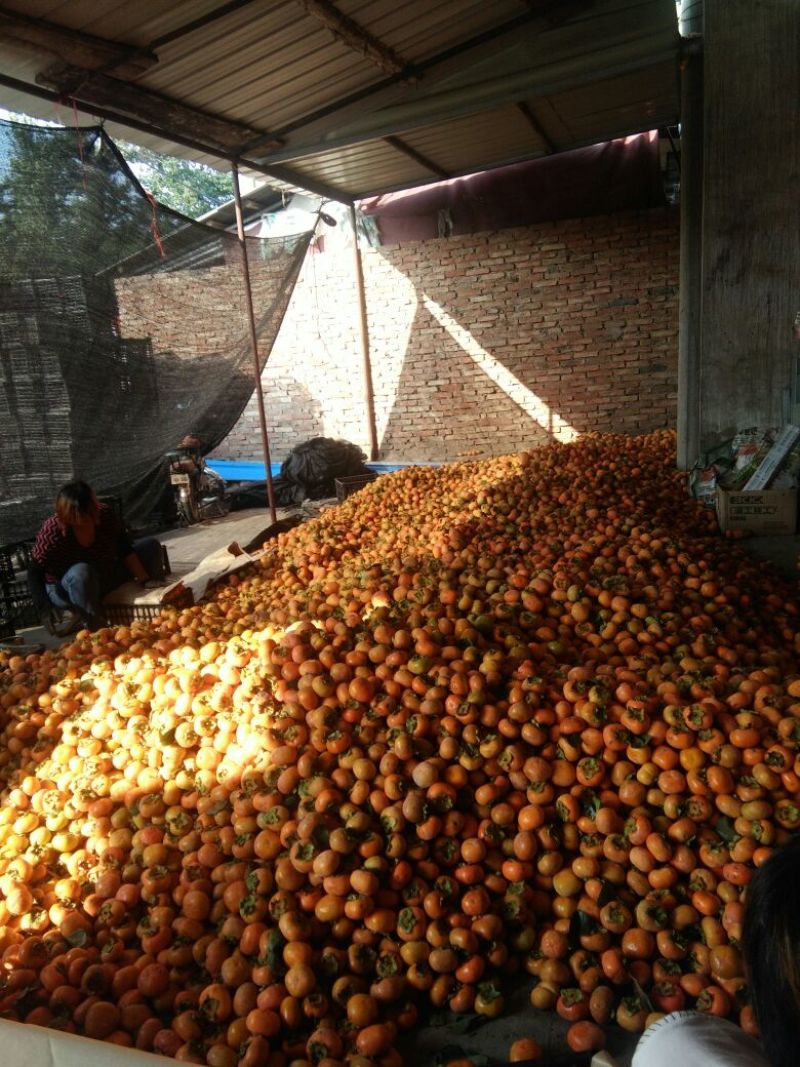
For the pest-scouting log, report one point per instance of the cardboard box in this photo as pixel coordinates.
(768, 511)
(784, 443)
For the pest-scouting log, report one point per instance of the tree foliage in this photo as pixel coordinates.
(66, 205)
(190, 188)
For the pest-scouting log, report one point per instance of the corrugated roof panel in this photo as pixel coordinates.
(525, 57)
(271, 65)
(271, 31)
(503, 135)
(153, 19)
(261, 71)
(284, 67)
(644, 96)
(117, 20)
(37, 9)
(551, 121)
(416, 34)
(618, 92)
(281, 64)
(112, 19)
(73, 14)
(379, 164)
(19, 63)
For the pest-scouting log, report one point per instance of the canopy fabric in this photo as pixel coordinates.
(123, 325)
(620, 175)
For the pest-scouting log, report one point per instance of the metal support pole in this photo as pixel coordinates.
(690, 347)
(363, 333)
(262, 417)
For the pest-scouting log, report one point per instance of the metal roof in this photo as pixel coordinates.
(347, 98)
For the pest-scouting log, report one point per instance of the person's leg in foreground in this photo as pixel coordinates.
(79, 589)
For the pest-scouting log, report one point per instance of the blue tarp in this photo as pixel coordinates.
(232, 470)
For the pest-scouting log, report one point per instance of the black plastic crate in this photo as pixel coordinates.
(16, 603)
(125, 614)
(7, 628)
(345, 487)
(14, 559)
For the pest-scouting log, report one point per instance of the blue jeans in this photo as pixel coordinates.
(82, 589)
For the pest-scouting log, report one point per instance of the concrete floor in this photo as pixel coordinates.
(189, 545)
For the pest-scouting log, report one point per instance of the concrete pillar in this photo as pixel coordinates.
(691, 282)
(749, 269)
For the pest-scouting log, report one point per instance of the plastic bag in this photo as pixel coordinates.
(316, 464)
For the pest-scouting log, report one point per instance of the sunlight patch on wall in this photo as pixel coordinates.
(504, 379)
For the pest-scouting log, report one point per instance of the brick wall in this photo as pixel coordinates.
(481, 344)
(193, 324)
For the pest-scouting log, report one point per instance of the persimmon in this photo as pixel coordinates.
(524, 1048)
(585, 1036)
(468, 720)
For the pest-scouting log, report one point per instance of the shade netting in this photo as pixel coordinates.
(123, 325)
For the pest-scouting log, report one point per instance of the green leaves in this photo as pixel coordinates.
(187, 187)
(724, 827)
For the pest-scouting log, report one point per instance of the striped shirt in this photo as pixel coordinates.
(57, 549)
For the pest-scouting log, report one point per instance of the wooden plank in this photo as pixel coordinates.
(354, 36)
(74, 46)
(98, 89)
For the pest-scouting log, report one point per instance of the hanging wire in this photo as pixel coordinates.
(313, 258)
(80, 144)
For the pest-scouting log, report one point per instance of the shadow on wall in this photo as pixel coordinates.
(295, 415)
(474, 404)
(470, 405)
(495, 366)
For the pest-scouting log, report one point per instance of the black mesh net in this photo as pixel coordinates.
(123, 325)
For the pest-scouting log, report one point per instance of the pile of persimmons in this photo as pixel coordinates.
(524, 719)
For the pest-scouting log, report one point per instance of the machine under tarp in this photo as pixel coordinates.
(620, 175)
(123, 325)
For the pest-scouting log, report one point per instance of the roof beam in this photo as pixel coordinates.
(418, 157)
(99, 90)
(350, 33)
(556, 11)
(534, 123)
(73, 46)
(278, 173)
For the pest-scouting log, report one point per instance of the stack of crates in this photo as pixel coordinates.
(17, 609)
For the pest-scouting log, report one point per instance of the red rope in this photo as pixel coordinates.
(154, 226)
